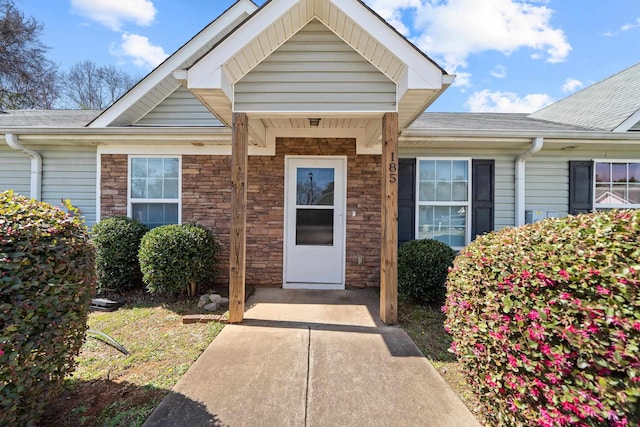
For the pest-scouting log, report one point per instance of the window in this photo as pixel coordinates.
(154, 190)
(617, 185)
(443, 207)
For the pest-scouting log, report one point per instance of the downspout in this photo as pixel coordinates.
(36, 165)
(536, 146)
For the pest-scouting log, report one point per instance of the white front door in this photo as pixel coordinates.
(315, 194)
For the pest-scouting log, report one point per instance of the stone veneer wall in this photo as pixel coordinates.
(113, 185)
(206, 199)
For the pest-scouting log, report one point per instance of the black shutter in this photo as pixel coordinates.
(406, 200)
(580, 187)
(483, 196)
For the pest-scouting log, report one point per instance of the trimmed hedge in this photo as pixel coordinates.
(117, 241)
(422, 270)
(175, 258)
(546, 321)
(47, 279)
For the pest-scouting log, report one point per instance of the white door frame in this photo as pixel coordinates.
(342, 239)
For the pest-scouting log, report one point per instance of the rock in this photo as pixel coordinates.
(203, 301)
(224, 302)
(211, 307)
(215, 298)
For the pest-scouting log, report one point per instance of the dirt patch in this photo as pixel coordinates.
(88, 403)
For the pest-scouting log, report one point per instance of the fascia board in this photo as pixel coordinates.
(629, 123)
(173, 63)
(201, 74)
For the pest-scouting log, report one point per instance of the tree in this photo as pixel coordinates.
(91, 87)
(27, 76)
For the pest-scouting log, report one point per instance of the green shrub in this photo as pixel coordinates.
(47, 279)
(546, 321)
(117, 241)
(175, 258)
(422, 270)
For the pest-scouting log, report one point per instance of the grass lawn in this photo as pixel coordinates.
(109, 388)
(425, 326)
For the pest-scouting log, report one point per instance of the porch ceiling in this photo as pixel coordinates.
(212, 79)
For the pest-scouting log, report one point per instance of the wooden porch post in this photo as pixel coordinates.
(389, 250)
(238, 246)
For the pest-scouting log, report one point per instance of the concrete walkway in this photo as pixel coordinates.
(312, 358)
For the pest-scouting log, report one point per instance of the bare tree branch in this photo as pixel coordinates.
(88, 86)
(28, 79)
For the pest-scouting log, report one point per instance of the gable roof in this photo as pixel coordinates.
(212, 78)
(160, 83)
(610, 105)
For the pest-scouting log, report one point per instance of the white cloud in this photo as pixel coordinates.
(506, 102)
(628, 27)
(391, 11)
(140, 50)
(462, 80)
(114, 13)
(571, 85)
(499, 72)
(451, 30)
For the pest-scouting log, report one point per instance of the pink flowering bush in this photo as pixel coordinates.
(545, 320)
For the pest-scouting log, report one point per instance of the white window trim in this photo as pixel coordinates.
(467, 204)
(597, 206)
(131, 201)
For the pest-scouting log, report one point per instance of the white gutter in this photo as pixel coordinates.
(36, 165)
(536, 146)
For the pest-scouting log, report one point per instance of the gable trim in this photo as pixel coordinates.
(166, 68)
(632, 121)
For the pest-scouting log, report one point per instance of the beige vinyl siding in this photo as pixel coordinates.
(169, 84)
(504, 214)
(70, 173)
(15, 171)
(315, 71)
(547, 184)
(180, 108)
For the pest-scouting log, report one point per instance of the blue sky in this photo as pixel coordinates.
(509, 55)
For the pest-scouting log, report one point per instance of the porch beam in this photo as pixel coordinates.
(389, 243)
(238, 244)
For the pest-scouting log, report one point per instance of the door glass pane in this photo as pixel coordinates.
(314, 186)
(314, 227)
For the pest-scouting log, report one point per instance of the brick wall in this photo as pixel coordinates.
(206, 199)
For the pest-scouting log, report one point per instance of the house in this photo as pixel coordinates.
(296, 132)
